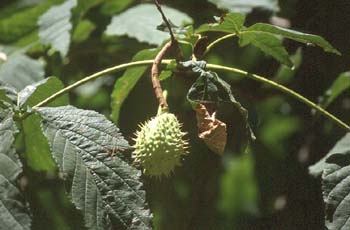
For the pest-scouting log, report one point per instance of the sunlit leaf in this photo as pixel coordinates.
(141, 22)
(21, 70)
(246, 6)
(231, 23)
(55, 26)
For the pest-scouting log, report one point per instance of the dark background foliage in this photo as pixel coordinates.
(267, 188)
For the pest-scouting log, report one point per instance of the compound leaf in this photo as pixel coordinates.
(141, 21)
(14, 213)
(231, 23)
(341, 84)
(105, 188)
(269, 44)
(263, 28)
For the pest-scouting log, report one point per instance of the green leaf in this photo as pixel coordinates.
(20, 70)
(262, 28)
(55, 26)
(7, 131)
(127, 82)
(336, 186)
(84, 6)
(7, 93)
(341, 147)
(141, 21)
(14, 213)
(238, 187)
(265, 36)
(246, 6)
(36, 92)
(269, 44)
(231, 23)
(104, 187)
(113, 7)
(284, 74)
(37, 150)
(341, 84)
(23, 23)
(83, 31)
(165, 74)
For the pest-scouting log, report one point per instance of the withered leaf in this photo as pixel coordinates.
(211, 130)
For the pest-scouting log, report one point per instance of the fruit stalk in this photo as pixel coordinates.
(155, 76)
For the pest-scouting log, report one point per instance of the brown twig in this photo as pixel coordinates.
(158, 59)
(165, 20)
(155, 75)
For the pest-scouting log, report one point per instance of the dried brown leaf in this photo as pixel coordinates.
(211, 130)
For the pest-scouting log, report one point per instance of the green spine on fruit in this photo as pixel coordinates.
(159, 146)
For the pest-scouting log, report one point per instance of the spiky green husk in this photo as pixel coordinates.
(159, 145)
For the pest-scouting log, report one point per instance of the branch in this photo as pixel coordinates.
(94, 77)
(284, 89)
(209, 66)
(155, 75)
(220, 39)
(165, 20)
